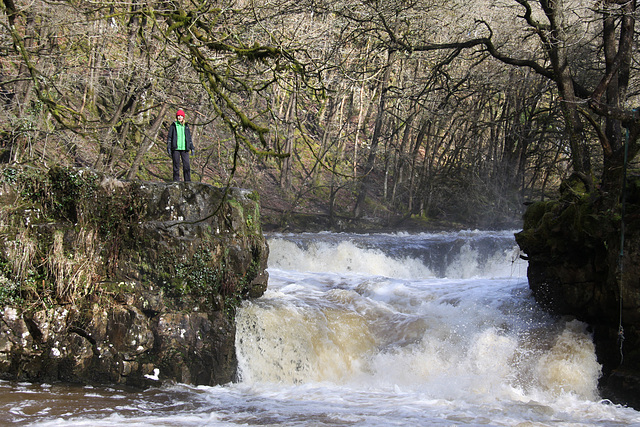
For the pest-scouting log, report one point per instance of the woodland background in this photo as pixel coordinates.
(431, 110)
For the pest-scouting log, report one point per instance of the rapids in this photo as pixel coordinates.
(373, 330)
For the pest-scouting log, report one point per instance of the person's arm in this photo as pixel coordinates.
(189, 140)
(170, 138)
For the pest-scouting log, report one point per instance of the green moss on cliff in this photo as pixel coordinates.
(207, 279)
(69, 222)
(81, 230)
(573, 223)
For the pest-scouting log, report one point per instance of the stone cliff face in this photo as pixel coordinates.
(576, 268)
(105, 281)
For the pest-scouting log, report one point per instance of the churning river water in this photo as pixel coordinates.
(373, 330)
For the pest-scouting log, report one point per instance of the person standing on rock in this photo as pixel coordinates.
(179, 144)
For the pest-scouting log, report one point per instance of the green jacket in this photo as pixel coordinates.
(172, 138)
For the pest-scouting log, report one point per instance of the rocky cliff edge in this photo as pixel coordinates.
(112, 282)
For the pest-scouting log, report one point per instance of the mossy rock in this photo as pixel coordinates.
(125, 274)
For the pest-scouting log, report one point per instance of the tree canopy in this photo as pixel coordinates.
(455, 110)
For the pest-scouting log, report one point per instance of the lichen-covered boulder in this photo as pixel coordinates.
(123, 282)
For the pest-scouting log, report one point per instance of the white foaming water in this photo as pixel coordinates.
(450, 339)
(365, 254)
(382, 330)
(344, 257)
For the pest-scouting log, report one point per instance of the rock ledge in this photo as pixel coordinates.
(112, 282)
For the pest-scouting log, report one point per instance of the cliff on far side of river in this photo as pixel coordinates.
(584, 261)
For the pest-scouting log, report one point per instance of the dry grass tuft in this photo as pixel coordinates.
(73, 272)
(21, 252)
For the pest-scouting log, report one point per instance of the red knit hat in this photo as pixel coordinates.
(180, 113)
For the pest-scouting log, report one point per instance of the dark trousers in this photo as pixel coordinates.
(186, 168)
